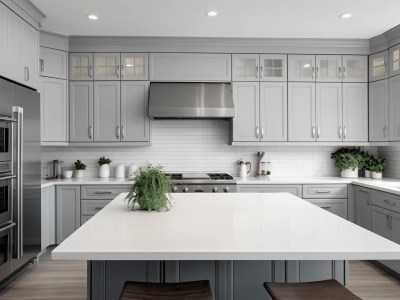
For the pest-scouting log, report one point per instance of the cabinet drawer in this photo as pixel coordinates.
(102, 192)
(292, 189)
(92, 207)
(386, 200)
(84, 219)
(335, 206)
(325, 191)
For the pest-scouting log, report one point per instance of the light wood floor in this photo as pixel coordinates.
(59, 280)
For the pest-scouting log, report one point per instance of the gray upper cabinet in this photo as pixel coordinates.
(394, 108)
(301, 112)
(394, 60)
(328, 112)
(245, 125)
(135, 123)
(378, 111)
(3, 24)
(53, 109)
(354, 68)
(190, 67)
(245, 67)
(134, 66)
(81, 111)
(106, 66)
(273, 111)
(301, 67)
(328, 68)
(53, 63)
(30, 49)
(67, 211)
(363, 207)
(81, 66)
(378, 66)
(273, 67)
(107, 111)
(355, 112)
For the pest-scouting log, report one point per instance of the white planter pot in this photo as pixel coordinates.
(78, 173)
(104, 171)
(376, 175)
(367, 174)
(349, 173)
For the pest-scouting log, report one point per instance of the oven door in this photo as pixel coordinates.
(6, 196)
(5, 250)
(5, 140)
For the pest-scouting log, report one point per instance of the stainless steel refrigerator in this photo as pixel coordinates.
(20, 196)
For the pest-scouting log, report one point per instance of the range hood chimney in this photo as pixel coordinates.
(171, 100)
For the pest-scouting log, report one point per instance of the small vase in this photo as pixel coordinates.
(376, 175)
(367, 174)
(78, 173)
(104, 171)
(349, 173)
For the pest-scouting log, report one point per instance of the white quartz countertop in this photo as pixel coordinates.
(293, 180)
(85, 181)
(237, 226)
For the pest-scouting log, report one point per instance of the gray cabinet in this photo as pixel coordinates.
(135, 123)
(362, 202)
(81, 111)
(30, 54)
(3, 24)
(53, 109)
(328, 68)
(53, 63)
(378, 111)
(301, 68)
(190, 67)
(394, 108)
(68, 211)
(271, 188)
(107, 111)
(134, 66)
(106, 66)
(354, 68)
(336, 206)
(301, 111)
(81, 66)
(381, 221)
(48, 217)
(394, 61)
(378, 66)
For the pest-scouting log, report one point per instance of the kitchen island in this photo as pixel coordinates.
(237, 241)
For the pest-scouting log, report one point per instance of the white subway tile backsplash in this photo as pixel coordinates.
(392, 154)
(199, 146)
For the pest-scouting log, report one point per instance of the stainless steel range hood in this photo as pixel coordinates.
(171, 100)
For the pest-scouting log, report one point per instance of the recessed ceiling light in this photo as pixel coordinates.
(345, 15)
(92, 17)
(212, 13)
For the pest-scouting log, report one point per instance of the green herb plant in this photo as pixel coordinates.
(151, 190)
(79, 165)
(104, 161)
(369, 161)
(349, 158)
(379, 165)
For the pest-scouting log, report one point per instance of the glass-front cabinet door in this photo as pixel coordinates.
(245, 67)
(106, 66)
(355, 68)
(134, 66)
(328, 68)
(81, 66)
(394, 60)
(378, 66)
(273, 67)
(301, 67)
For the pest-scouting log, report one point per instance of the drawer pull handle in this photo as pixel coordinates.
(390, 202)
(326, 207)
(102, 193)
(323, 192)
(98, 208)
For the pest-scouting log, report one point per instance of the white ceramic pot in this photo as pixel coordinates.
(67, 174)
(104, 171)
(78, 173)
(349, 173)
(120, 171)
(367, 174)
(376, 175)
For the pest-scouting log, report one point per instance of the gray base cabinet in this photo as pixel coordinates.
(68, 211)
(378, 111)
(276, 188)
(362, 201)
(48, 217)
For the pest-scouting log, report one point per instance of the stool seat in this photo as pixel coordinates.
(194, 290)
(326, 289)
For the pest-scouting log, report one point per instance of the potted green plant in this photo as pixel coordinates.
(349, 161)
(368, 164)
(151, 190)
(104, 169)
(378, 166)
(79, 168)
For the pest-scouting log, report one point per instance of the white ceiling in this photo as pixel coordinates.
(237, 18)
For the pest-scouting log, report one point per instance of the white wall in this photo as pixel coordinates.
(392, 154)
(198, 145)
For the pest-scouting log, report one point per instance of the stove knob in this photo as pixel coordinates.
(174, 189)
(226, 190)
(215, 189)
(185, 189)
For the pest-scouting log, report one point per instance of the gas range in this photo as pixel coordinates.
(202, 183)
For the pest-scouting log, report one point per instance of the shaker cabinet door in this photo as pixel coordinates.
(354, 68)
(106, 66)
(67, 211)
(363, 207)
(53, 63)
(378, 66)
(328, 68)
(381, 221)
(30, 48)
(378, 111)
(301, 67)
(81, 66)
(134, 66)
(245, 67)
(394, 61)
(273, 67)
(394, 108)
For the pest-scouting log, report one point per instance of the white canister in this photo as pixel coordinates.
(367, 174)
(120, 171)
(132, 171)
(104, 171)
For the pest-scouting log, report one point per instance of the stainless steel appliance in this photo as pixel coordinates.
(20, 205)
(202, 183)
(54, 169)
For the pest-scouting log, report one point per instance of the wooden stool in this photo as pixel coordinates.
(326, 289)
(194, 290)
